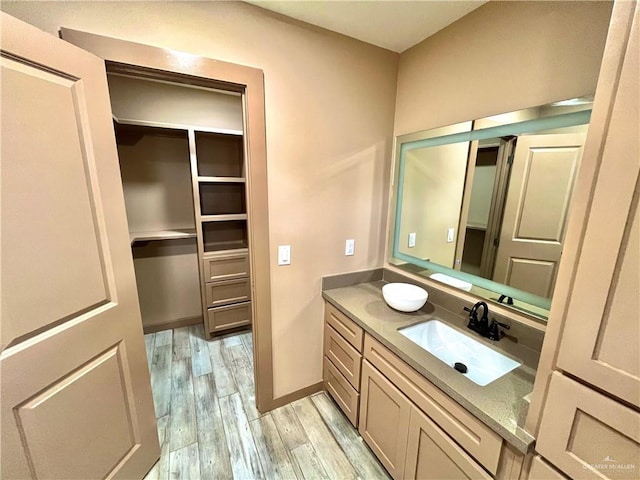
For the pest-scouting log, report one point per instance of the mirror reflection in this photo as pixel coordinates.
(483, 205)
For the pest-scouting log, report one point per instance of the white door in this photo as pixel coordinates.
(75, 393)
(542, 178)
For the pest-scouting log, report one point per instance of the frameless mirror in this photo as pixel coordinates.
(482, 205)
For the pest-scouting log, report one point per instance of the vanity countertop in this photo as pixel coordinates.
(497, 404)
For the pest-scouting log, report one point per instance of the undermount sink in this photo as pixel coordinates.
(404, 296)
(483, 364)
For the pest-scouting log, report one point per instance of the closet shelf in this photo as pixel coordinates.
(221, 179)
(162, 235)
(223, 218)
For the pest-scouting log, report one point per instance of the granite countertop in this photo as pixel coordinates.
(497, 404)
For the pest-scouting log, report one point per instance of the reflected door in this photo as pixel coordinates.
(75, 393)
(542, 178)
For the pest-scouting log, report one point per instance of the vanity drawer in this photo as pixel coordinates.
(228, 291)
(475, 437)
(346, 327)
(343, 356)
(225, 266)
(342, 392)
(230, 316)
(587, 431)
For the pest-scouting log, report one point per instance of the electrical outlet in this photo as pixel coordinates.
(450, 233)
(349, 247)
(412, 239)
(284, 255)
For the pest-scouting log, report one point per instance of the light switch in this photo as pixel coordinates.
(349, 247)
(412, 239)
(284, 255)
(450, 233)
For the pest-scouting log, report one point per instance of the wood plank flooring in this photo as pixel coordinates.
(210, 429)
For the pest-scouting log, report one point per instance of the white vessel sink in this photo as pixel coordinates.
(484, 365)
(404, 296)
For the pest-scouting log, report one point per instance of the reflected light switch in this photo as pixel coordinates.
(450, 233)
(412, 239)
(284, 255)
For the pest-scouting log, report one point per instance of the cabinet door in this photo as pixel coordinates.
(75, 390)
(588, 435)
(433, 455)
(600, 338)
(384, 420)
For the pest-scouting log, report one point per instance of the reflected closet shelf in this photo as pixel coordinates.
(221, 179)
(162, 235)
(223, 218)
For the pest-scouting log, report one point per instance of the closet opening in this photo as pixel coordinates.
(211, 115)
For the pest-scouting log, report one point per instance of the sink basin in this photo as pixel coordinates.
(484, 365)
(404, 296)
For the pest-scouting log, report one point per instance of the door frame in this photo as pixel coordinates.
(180, 67)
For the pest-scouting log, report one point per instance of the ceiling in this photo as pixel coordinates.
(392, 24)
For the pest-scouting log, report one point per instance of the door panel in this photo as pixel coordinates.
(62, 219)
(588, 435)
(75, 394)
(600, 340)
(536, 209)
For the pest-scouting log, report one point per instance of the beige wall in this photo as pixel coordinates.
(329, 117)
(501, 57)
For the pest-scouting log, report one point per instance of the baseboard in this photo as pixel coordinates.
(297, 395)
(183, 322)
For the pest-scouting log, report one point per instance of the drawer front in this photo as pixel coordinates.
(342, 392)
(344, 326)
(226, 267)
(541, 470)
(228, 291)
(344, 357)
(475, 437)
(588, 435)
(231, 316)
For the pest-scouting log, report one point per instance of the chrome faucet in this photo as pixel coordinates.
(481, 325)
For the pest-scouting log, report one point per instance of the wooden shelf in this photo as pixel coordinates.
(476, 226)
(221, 179)
(223, 218)
(162, 235)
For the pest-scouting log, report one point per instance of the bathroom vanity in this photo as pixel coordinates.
(421, 418)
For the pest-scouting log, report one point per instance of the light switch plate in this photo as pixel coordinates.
(412, 239)
(349, 247)
(284, 255)
(450, 233)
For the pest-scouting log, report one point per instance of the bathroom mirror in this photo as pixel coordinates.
(482, 205)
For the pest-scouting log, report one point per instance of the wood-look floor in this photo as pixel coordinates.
(209, 427)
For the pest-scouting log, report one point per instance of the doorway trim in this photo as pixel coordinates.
(192, 69)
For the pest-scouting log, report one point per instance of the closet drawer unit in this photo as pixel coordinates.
(230, 316)
(342, 392)
(225, 266)
(475, 437)
(587, 434)
(227, 292)
(343, 356)
(344, 326)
